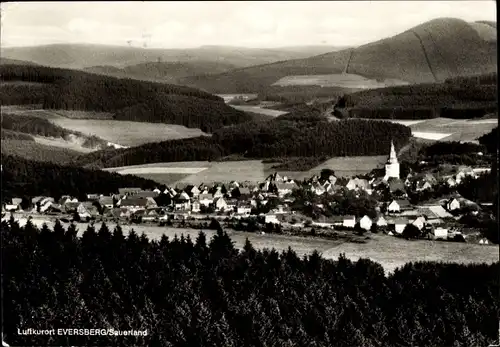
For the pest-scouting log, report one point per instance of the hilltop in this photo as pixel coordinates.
(126, 99)
(79, 56)
(431, 52)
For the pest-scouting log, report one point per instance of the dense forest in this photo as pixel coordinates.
(302, 137)
(459, 98)
(490, 140)
(43, 127)
(207, 293)
(128, 99)
(21, 177)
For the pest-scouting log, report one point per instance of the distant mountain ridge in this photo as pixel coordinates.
(433, 51)
(163, 71)
(79, 56)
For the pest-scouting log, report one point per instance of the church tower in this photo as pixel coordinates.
(392, 166)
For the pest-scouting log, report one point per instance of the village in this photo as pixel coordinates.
(273, 206)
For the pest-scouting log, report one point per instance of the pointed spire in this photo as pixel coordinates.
(392, 156)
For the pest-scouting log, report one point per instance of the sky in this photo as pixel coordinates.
(187, 24)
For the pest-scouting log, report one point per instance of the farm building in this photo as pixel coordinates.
(205, 199)
(349, 221)
(400, 225)
(440, 233)
(453, 204)
(271, 218)
(381, 221)
(220, 204)
(365, 223)
(398, 206)
(419, 222)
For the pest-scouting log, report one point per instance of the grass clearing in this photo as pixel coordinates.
(429, 135)
(390, 252)
(61, 143)
(259, 110)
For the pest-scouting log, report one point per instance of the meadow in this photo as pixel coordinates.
(260, 110)
(344, 80)
(124, 133)
(128, 133)
(389, 251)
(455, 130)
(243, 170)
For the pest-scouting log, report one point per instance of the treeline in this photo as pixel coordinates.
(21, 177)
(128, 99)
(486, 79)
(203, 292)
(452, 147)
(265, 139)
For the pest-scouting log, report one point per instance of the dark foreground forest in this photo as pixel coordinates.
(206, 293)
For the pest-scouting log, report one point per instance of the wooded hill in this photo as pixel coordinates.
(128, 99)
(203, 292)
(461, 97)
(285, 136)
(21, 177)
(431, 52)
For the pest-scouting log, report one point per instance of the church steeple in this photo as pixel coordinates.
(393, 159)
(392, 166)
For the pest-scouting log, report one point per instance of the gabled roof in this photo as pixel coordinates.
(401, 221)
(402, 203)
(205, 197)
(146, 194)
(123, 191)
(132, 201)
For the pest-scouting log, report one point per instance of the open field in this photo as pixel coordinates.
(456, 130)
(446, 129)
(259, 110)
(389, 251)
(243, 170)
(344, 80)
(128, 133)
(124, 133)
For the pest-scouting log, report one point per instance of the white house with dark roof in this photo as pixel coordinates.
(398, 206)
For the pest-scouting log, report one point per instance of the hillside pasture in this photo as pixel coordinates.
(343, 80)
(127, 133)
(445, 129)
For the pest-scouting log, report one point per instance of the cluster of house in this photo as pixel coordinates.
(238, 200)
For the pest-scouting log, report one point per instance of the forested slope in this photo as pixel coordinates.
(128, 99)
(206, 293)
(21, 177)
(286, 136)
